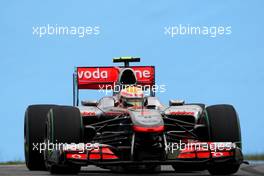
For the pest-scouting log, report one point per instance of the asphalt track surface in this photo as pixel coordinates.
(21, 170)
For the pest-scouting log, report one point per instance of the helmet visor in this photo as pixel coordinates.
(133, 102)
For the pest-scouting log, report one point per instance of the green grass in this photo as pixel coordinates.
(12, 162)
(254, 156)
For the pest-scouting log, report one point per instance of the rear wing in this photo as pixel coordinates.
(98, 78)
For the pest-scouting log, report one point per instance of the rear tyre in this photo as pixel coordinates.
(34, 130)
(223, 127)
(64, 125)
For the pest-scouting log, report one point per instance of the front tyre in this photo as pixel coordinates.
(224, 127)
(34, 131)
(64, 125)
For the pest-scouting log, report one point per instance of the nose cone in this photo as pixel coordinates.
(147, 120)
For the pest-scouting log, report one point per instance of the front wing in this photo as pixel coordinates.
(105, 155)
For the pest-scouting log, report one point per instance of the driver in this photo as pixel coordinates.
(131, 96)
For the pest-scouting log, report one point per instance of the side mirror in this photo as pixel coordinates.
(176, 102)
(89, 103)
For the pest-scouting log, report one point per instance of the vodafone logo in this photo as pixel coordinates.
(142, 73)
(97, 77)
(104, 73)
(96, 74)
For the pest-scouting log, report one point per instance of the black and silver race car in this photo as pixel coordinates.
(130, 131)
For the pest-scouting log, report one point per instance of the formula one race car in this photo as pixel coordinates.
(130, 131)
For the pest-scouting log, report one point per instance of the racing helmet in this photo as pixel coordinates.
(132, 96)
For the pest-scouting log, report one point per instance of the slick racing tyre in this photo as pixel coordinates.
(34, 130)
(64, 125)
(223, 127)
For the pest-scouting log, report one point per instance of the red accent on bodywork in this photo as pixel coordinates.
(181, 113)
(148, 129)
(86, 113)
(221, 154)
(114, 113)
(200, 152)
(96, 154)
(79, 156)
(103, 153)
(186, 155)
(203, 154)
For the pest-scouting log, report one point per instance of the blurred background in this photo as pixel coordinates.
(197, 68)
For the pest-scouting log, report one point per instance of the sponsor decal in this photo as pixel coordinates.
(181, 113)
(90, 74)
(87, 113)
(98, 77)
